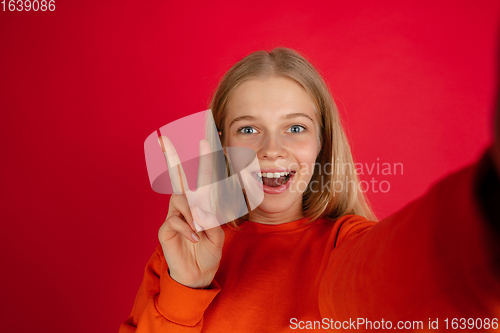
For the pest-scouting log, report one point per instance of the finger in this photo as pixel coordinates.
(175, 171)
(205, 165)
(180, 204)
(174, 224)
(207, 222)
(215, 235)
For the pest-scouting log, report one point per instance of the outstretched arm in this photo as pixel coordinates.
(437, 258)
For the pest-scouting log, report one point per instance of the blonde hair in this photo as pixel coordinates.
(343, 196)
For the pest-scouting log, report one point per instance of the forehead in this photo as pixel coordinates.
(268, 97)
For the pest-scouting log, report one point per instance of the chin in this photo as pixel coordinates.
(276, 204)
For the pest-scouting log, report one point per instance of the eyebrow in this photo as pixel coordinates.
(241, 118)
(297, 114)
(287, 116)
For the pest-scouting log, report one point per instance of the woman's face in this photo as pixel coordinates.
(277, 119)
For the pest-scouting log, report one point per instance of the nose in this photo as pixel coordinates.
(272, 148)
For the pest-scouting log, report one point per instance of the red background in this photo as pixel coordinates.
(82, 87)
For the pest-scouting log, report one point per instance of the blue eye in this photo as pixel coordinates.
(296, 128)
(247, 130)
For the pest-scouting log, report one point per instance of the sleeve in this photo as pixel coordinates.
(163, 305)
(437, 258)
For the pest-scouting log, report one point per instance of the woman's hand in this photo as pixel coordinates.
(192, 257)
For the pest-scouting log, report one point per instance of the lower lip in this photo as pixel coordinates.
(274, 190)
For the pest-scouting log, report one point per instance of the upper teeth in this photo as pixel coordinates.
(272, 174)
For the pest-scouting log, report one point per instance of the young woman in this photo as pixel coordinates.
(311, 254)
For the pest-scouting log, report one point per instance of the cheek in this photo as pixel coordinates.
(306, 150)
(306, 153)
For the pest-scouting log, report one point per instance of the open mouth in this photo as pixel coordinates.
(273, 179)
